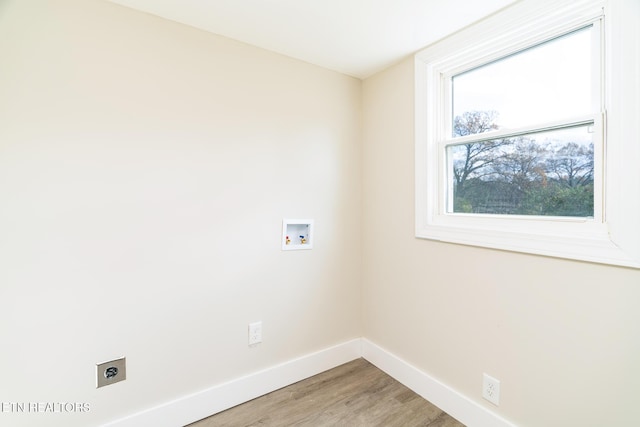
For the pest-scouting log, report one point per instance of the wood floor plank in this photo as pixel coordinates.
(356, 394)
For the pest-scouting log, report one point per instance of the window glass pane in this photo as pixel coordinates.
(548, 82)
(546, 173)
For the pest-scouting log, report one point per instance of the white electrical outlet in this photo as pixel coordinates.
(255, 333)
(491, 389)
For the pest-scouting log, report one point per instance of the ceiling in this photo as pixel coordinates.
(354, 37)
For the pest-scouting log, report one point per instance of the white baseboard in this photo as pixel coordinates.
(452, 402)
(197, 406)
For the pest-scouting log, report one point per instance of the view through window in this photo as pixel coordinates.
(540, 102)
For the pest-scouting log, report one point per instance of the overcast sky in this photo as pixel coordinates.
(542, 84)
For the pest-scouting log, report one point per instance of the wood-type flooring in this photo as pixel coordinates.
(356, 394)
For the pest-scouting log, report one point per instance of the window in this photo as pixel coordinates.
(519, 143)
(543, 98)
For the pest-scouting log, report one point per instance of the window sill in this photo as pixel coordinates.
(592, 246)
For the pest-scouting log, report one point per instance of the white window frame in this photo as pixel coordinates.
(612, 236)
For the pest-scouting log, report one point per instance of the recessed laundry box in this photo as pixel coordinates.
(297, 234)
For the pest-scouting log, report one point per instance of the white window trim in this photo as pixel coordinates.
(613, 235)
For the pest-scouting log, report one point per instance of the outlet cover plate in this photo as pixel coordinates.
(491, 389)
(111, 372)
(255, 333)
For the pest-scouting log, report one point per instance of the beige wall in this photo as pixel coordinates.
(145, 168)
(563, 337)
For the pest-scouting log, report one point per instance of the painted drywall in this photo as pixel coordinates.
(563, 337)
(145, 169)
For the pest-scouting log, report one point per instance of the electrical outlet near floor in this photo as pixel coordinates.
(491, 389)
(111, 372)
(255, 333)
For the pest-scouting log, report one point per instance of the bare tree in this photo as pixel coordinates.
(474, 122)
(523, 164)
(572, 164)
(532, 174)
(476, 156)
